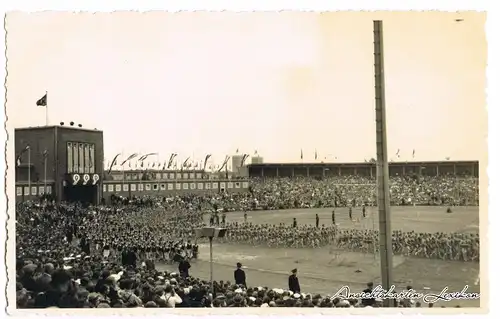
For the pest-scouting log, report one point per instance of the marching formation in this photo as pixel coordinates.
(456, 246)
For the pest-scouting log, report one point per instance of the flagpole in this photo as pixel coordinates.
(46, 109)
(45, 174)
(29, 170)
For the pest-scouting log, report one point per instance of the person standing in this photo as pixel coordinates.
(184, 266)
(317, 221)
(333, 217)
(293, 282)
(240, 277)
(294, 225)
(350, 212)
(364, 211)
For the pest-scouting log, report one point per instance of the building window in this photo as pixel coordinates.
(110, 188)
(132, 187)
(178, 175)
(41, 190)
(237, 185)
(155, 187)
(222, 185)
(200, 185)
(141, 187)
(191, 175)
(230, 185)
(125, 187)
(193, 185)
(207, 185)
(26, 190)
(49, 189)
(215, 185)
(185, 186)
(104, 188)
(33, 190)
(148, 187)
(19, 191)
(177, 186)
(118, 187)
(171, 175)
(162, 187)
(245, 184)
(170, 186)
(185, 176)
(198, 175)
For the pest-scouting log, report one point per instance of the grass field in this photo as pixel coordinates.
(325, 270)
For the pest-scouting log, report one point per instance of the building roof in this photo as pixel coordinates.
(66, 127)
(420, 163)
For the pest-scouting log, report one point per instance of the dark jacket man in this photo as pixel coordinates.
(184, 266)
(293, 282)
(240, 277)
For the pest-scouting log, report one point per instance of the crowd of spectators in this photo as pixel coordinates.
(344, 191)
(59, 248)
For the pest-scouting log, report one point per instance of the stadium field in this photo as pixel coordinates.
(325, 270)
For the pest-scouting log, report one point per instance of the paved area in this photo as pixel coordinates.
(325, 270)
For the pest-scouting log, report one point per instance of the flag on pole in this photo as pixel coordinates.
(245, 157)
(19, 157)
(143, 157)
(301, 154)
(413, 155)
(129, 158)
(224, 164)
(206, 160)
(315, 154)
(170, 161)
(113, 163)
(45, 154)
(255, 153)
(42, 101)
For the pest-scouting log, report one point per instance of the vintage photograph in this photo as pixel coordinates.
(257, 160)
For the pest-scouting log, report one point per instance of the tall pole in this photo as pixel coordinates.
(210, 239)
(29, 171)
(45, 174)
(382, 164)
(46, 109)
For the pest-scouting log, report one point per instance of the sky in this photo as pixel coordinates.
(275, 83)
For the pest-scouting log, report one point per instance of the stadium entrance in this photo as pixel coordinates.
(82, 188)
(84, 194)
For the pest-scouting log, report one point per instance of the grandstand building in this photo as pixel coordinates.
(319, 170)
(66, 163)
(63, 161)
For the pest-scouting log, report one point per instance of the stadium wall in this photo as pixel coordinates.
(168, 188)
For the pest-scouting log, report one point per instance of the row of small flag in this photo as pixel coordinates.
(316, 154)
(188, 163)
